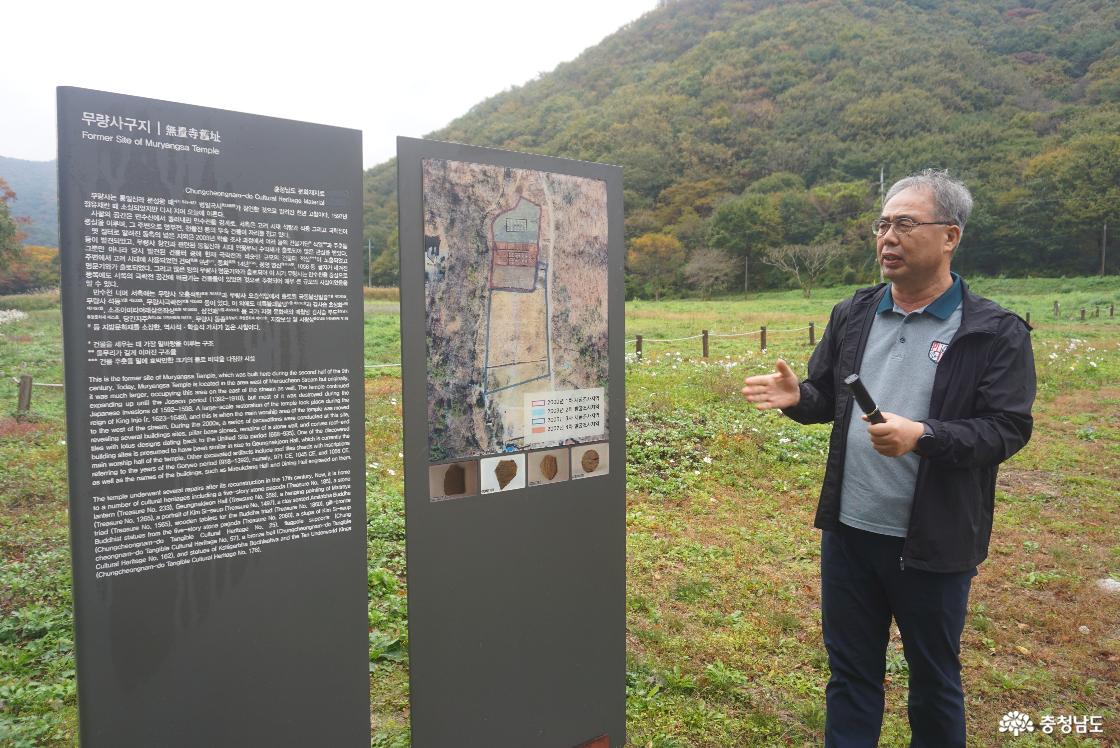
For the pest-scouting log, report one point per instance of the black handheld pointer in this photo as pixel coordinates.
(863, 397)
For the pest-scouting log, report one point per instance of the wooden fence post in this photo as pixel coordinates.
(23, 406)
(1057, 309)
(705, 343)
(1028, 318)
(762, 338)
(812, 334)
(638, 346)
(1082, 314)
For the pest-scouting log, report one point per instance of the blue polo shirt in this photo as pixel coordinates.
(899, 363)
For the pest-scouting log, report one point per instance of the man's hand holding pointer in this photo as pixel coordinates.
(777, 390)
(893, 438)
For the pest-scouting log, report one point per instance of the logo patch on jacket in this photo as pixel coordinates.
(937, 350)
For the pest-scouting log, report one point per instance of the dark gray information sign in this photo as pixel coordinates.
(212, 320)
(512, 347)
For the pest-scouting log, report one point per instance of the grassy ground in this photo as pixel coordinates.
(723, 620)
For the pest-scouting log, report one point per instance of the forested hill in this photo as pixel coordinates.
(784, 112)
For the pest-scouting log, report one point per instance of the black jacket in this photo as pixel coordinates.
(979, 411)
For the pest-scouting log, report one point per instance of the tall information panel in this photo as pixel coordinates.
(212, 320)
(512, 348)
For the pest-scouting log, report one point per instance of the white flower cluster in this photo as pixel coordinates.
(1078, 353)
(11, 315)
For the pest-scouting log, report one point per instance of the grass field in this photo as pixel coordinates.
(723, 620)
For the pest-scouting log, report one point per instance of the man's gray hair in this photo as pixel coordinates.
(951, 198)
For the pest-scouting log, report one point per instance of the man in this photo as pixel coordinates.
(906, 506)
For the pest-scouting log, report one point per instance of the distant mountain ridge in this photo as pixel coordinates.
(36, 187)
(703, 100)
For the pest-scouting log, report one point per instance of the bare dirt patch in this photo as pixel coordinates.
(13, 429)
(1081, 401)
(1027, 482)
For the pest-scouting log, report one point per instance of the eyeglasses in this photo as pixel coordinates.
(903, 226)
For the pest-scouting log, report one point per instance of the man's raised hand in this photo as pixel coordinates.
(777, 390)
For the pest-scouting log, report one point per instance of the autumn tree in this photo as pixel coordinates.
(710, 270)
(805, 262)
(10, 235)
(655, 261)
(30, 269)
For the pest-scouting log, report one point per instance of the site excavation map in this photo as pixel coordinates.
(516, 283)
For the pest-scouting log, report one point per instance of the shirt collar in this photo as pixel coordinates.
(941, 307)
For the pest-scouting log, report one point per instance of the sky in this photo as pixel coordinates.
(386, 68)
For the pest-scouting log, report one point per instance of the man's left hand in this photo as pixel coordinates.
(896, 436)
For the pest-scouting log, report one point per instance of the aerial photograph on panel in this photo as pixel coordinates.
(515, 265)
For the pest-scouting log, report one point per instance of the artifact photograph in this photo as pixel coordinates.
(453, 480)
(547, 466)
(590, 460)
(503, 473)
(516, 295)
